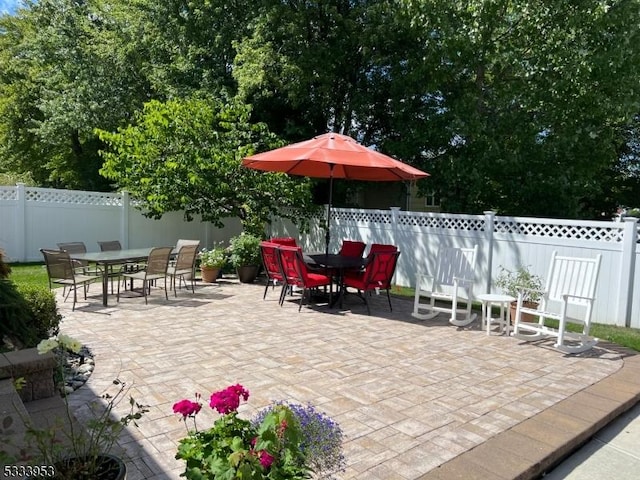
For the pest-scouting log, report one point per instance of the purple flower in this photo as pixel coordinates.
(321, 437)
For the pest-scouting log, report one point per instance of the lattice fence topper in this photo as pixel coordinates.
(443, 222)
(8, 193)
(577, 232)
(362, 216)
(73, 197)
(294, 212)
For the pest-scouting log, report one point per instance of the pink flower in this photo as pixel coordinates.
(282, 428)
(228, 400)
(265, 459)
(186, 408)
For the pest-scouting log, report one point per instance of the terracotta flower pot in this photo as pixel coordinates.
(209, 274)
(526, 317)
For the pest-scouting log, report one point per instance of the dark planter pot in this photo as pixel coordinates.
(247, 273)
(108, 468)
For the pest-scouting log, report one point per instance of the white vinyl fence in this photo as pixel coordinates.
(34, 218)
(502, 241)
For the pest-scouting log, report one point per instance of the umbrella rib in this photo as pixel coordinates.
(293, 167)
(298, 162)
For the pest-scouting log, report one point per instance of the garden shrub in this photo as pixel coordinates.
(41, 302)
(5, 269)
(27, 313)
(15, 324)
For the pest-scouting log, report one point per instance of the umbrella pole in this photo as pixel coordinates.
(327, 236)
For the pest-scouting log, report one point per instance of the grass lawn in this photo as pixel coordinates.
(31, 273)
(36, 274)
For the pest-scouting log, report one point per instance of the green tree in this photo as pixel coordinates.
(520, 106)
(186, 155)
(514, 105)
(189, 45)
(67, 68)
(532, 99)
(301, 65)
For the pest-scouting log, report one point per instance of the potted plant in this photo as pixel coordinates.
(521, 279)
(211, 262)
(62, 450)
(245, 256)
(284, 441)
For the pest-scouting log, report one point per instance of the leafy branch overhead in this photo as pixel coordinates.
(186, 155)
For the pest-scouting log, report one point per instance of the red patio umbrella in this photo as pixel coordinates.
(333, 156)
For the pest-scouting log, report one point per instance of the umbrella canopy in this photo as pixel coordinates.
(333, 156)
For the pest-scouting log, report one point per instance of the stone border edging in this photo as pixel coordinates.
(534, 446)
(36, 369)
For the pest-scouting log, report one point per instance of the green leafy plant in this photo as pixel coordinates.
(5, 269)
(245, 250)
(77, 453)
(214, 258)
(27, 312)
(521, 279)
(237, 448)
(43, 311)
(321, 438)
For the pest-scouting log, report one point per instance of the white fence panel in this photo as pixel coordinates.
(527, 241)
(11, 216)
(56, 216)
(32, 218)
(502, 241)
(634, 314)
(35, 218)
(422, 235)
(147, 232)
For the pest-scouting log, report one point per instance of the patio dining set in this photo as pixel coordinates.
(72, 266)
(287, 265)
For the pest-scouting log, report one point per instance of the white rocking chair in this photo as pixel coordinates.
(451, 282)
(568, 298)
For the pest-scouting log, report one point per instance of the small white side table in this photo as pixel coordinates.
(490, 299)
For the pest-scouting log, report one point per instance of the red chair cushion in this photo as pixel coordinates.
(377, 274)
(269, 252)
(287, 241)
(316, 280)
(354, 280)
(382, 247)
(296, 271)
(351, 248)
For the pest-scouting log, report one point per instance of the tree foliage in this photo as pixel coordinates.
(513, 105)
(67, 69)
(533, 96)
(526, 107)
(186, 155)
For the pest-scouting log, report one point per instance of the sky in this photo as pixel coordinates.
(8, 6)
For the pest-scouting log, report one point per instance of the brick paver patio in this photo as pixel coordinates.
(409, 395)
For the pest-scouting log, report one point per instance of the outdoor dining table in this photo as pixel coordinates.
(338, 264)
(110, 258)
